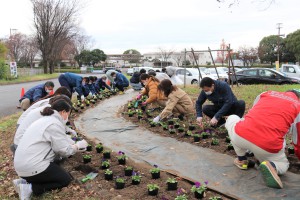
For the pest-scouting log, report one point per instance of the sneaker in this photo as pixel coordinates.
(25, 191)
(17, 182)
(241, 164)
(269, 175)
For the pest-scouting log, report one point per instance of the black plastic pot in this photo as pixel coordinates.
(104, 167)
(153, 192)
(186, 134)
(108, 177)
(152, 125)
(143, 108)
(204, 136)
(291, 151)
(155, 175)
(122, 161)
(196, 139)
(135, 182)
(172, 131)
(128, 172)
(99, 149)
(87, 104)
(172, 186)
(199, 195)
(120, 185)
(82, 107)
(180, 130)
(192, 127)
(165, 128)
(130, 115)
(230, 148)
(106, 155)
(87, 160)
(170, 122)
(140, 116)
(89, 148)
(176, 126)
(227, 140)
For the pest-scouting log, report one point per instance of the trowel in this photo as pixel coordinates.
(90, 176)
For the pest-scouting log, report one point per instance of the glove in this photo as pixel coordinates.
(73, 133)
(156, 119)
(213, 121)
(82, 98)
(81, 145)
(144, 103)
(138, 96)
(199, 120)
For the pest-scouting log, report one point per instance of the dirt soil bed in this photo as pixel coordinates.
(98, 188)
(145, 117)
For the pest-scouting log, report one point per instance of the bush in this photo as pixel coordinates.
(4, 70)
(67, 70)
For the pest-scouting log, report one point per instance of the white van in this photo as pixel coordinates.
(290, 70)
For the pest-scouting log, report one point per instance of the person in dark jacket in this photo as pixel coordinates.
(85, 86)
(36, 93)
(72, 82)
(120, 81)
(135, 80)
(223, 99)
(100, 84)
(91, 85)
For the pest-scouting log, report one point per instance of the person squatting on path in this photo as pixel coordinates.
(100, 84)
(263, 132)
(135, 80)
(72, 82)
(179, 102)
(41, 142)
(120, 81)
(151, 90)
(223, 99)
(35, 93)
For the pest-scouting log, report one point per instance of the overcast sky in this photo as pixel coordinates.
(117, 25)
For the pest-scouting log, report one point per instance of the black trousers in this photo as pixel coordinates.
(64, 82)
(238, 108)
(54, 177)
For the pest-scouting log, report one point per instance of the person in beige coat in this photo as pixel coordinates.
(178, 103)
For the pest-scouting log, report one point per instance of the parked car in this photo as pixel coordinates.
(192, 75)
(212, 72)
(111, 68)
(262, 76)
(130, 71)
(290, 70)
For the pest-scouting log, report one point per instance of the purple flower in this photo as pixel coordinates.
(179, 191)
(121, 153)
(135, 173)
(155, 166)
(197, 184)
(206, 182)
(164, 198)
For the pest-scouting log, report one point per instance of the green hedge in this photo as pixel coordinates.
(4, 70)
(67, 70)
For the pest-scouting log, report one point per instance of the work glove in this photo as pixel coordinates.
(156, 119)
(73, 133)
(138, 96)
(81, 145)
(213, 121)
(144, 103)
(199, 121)
(82, 98)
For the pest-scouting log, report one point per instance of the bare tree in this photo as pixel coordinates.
(55, 22)
(166, 54)
(178, 59)
(15, 44)
(248, 55)
(30, 50)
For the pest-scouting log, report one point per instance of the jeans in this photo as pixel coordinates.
(136, 86)
(238, 108)
(54, 177)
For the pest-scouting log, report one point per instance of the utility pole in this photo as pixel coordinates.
(278, 41)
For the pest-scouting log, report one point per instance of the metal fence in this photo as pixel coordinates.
(29, 71)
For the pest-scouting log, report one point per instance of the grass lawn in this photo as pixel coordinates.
(39, 77)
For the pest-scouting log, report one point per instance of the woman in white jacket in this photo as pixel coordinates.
(41, 142)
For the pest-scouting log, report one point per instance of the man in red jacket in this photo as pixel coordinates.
(263, 131)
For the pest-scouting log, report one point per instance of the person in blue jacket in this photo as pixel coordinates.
(73, 82)
(91, 85)
(120, 81)
(100, 84)
(223, 99)
(36, 93)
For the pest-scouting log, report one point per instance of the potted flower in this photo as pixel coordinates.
(180, 129)
(176, 125)
(155, 172)
(230, 147)
(106, 154)
(214, 141)
(165, 127)
(130, 113)
(153, 124)
(188, 133)
(136, 178)
(105, 164)
(181, 195)
(170, 122)
(196, 137)
(172, 131)
(152, 189)
(82, 106)
(204, 135)
(108, 175)
(192, 127)
(199, 189)
(128, 170)
(86, 158)
(215, 198)
(129, 105)
(87, 102)
(121, 158)
(143, 108)
(172, 184)
(120, 183)
(89, 148)
(99, 148)
(291, 150)
(92, 101)
(227, 140)
(140, 116)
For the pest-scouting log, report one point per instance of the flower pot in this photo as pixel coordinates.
(180, 130)
(165, 128)
(227, 140)
(170, 122)
(172, 186)
(155, 175)
(152, 125)
(108, 177)
(128, 172)
(82, 107)
(172, 131)
(153, 192)
(130, 115)
(199, 195)
(87, 160)
(120, 185)
(140, 116)
(122, 161)
(89, 148)
(143, 108)
(134, 182)
(106, 155)
(291, 151)
(176, 125)
(204, 136)
(192, 127)
(196, 139)
(104, 167)
(230, 148)
(99, 149)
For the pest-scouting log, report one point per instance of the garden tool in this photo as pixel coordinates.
(90, 176)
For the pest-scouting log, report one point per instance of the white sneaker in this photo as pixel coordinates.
(25, 191)
(17, 182)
